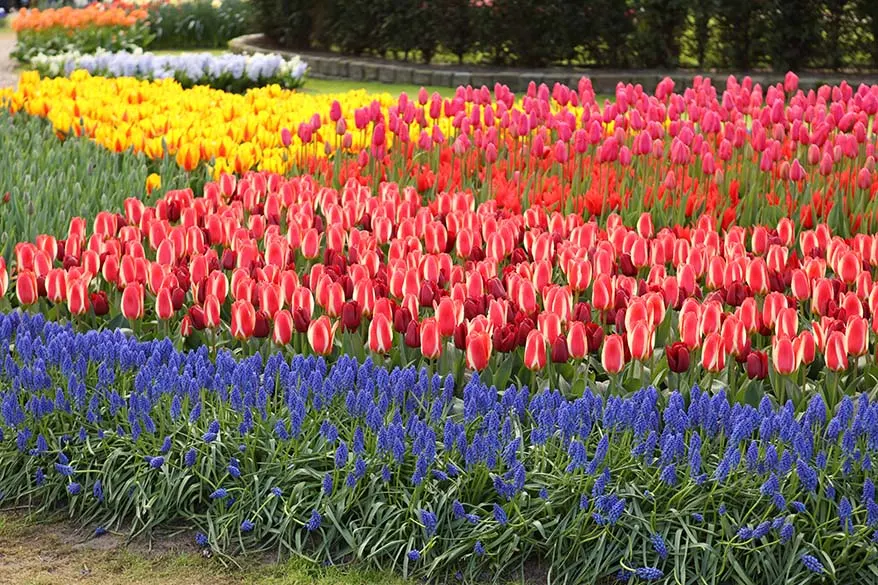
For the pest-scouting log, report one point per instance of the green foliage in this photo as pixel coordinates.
(734, 34)
(198, 24)
(48, 181)
(659, 27)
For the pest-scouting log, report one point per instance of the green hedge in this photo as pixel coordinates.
(731, 34)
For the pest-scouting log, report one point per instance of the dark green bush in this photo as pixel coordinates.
(199, 24)
(731, 34)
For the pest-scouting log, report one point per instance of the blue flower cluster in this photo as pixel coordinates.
(281, 444)
(227, 69)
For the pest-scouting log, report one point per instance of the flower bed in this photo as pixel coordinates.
(57, 30)
(745, 157)
(228, 72)
(540, 298)
(354, 461)
(632, 340)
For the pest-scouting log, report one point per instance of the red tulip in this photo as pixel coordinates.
(310, 244)
(431, 341)
(185, 326)
(678, 357)
(535, 350)
(211, 311)
(613, 354)
(448, 315)
(577, 341)
(380, 334)
(857, 336)
(56, 285)
(595, 336)
(713, 353)
(283, 327)
(164, 306)
(132, 301)
(836, 352)
(806, 347)
(4, 277)
(77, 296)
(243, 320)
(641, 341)
(321, 335)
(783, 356)
(478, 349)
(849, 266)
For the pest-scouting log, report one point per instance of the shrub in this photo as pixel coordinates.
(199, 24)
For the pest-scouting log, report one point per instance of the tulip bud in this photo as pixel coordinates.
(321, 335)
(757, 365)
(431, 341)
(380, 334)
(613, 354)
(535, 350)
(678, 357)
(478, 349)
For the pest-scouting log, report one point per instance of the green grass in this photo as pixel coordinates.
(343, 85)
(54, 553)
(176, 52)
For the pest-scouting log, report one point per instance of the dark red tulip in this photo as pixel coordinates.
(460, 333)
(262, 327)
(505, 338)
(351, 316)
(678, 357)
(99, 303)
(401, 319)
(523, 329)
(757, 365)
(560, 353)
(301, 320)
(413, 334)
(582, 312)
(595, 336)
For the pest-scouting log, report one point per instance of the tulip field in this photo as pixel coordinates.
(628, 339)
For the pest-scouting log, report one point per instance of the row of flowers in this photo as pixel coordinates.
(747, 155)
(352, 460)
(57, 30)
(540, 297)
(227, 71)
(69, 18)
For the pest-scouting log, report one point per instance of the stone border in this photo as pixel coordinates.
(334, 66)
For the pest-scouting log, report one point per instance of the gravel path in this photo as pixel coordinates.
(8, 76)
